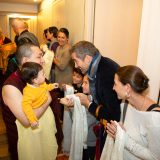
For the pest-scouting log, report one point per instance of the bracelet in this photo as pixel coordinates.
(97, 110)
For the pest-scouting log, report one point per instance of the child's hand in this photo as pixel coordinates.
(63, 86)
(34, 124)
(66, 101)
(56, 85)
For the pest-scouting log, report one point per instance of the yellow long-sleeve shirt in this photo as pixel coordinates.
(34, 97)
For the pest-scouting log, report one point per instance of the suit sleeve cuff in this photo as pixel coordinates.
(92, 107)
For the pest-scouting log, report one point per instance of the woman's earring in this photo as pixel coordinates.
(127, 95)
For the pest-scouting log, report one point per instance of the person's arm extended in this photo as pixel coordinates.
(12, 97)
(39, 111)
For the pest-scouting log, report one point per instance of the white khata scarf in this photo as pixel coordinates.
(67, 123)
(113, 149)
(75, 128)
(48, 58)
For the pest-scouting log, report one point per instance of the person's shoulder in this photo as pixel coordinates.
(7, 40)
(108, 66)
(109, 62)
(156, 108)
(15, 80)
(9, 91)
(30, 33)
(9, 80)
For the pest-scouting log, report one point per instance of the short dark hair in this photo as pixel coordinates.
(53, 30)
(45, 32)
(24, 50)
(77, 70)
(84, 48)
(29, 71)
(134, 76)
(65, 31)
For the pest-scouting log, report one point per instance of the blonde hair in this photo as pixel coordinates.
(18, 23)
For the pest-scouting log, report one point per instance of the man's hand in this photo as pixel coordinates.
(112, 128)
(83, 99)
(63, 86)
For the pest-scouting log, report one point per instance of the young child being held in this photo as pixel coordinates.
(35, 92)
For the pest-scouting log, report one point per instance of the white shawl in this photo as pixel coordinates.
(48, 58)
(67, 123)
(79, 130)
(113, 150)
(141, 141)
(75, 127)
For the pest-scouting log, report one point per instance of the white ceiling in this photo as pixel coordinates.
(21, 1)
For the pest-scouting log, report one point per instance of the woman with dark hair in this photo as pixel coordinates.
(52, 36)
(138, 137)
(62, 60)
(63, 63)
(46, 41)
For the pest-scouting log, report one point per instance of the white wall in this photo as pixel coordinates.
(149, 46)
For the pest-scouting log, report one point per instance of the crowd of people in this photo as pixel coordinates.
(86, 107)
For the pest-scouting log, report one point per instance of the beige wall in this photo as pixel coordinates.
(18, 8)
(117, 27)
(3, 24)
(62, 13)
(51, 14)
(115, 31)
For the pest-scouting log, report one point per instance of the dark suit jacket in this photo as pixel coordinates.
(105, 95)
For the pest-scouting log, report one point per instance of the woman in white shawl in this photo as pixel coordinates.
(138, 138)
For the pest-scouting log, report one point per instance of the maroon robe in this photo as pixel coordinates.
(9, 119)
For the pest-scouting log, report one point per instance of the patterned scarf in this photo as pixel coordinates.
(92, 75)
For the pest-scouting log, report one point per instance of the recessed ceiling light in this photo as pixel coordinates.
(35, 0)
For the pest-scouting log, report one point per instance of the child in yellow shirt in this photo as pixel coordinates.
(35, 94)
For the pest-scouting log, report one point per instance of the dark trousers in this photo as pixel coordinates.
(12, 136)
(89, 153)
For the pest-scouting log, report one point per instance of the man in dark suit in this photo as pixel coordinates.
(100, 70)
